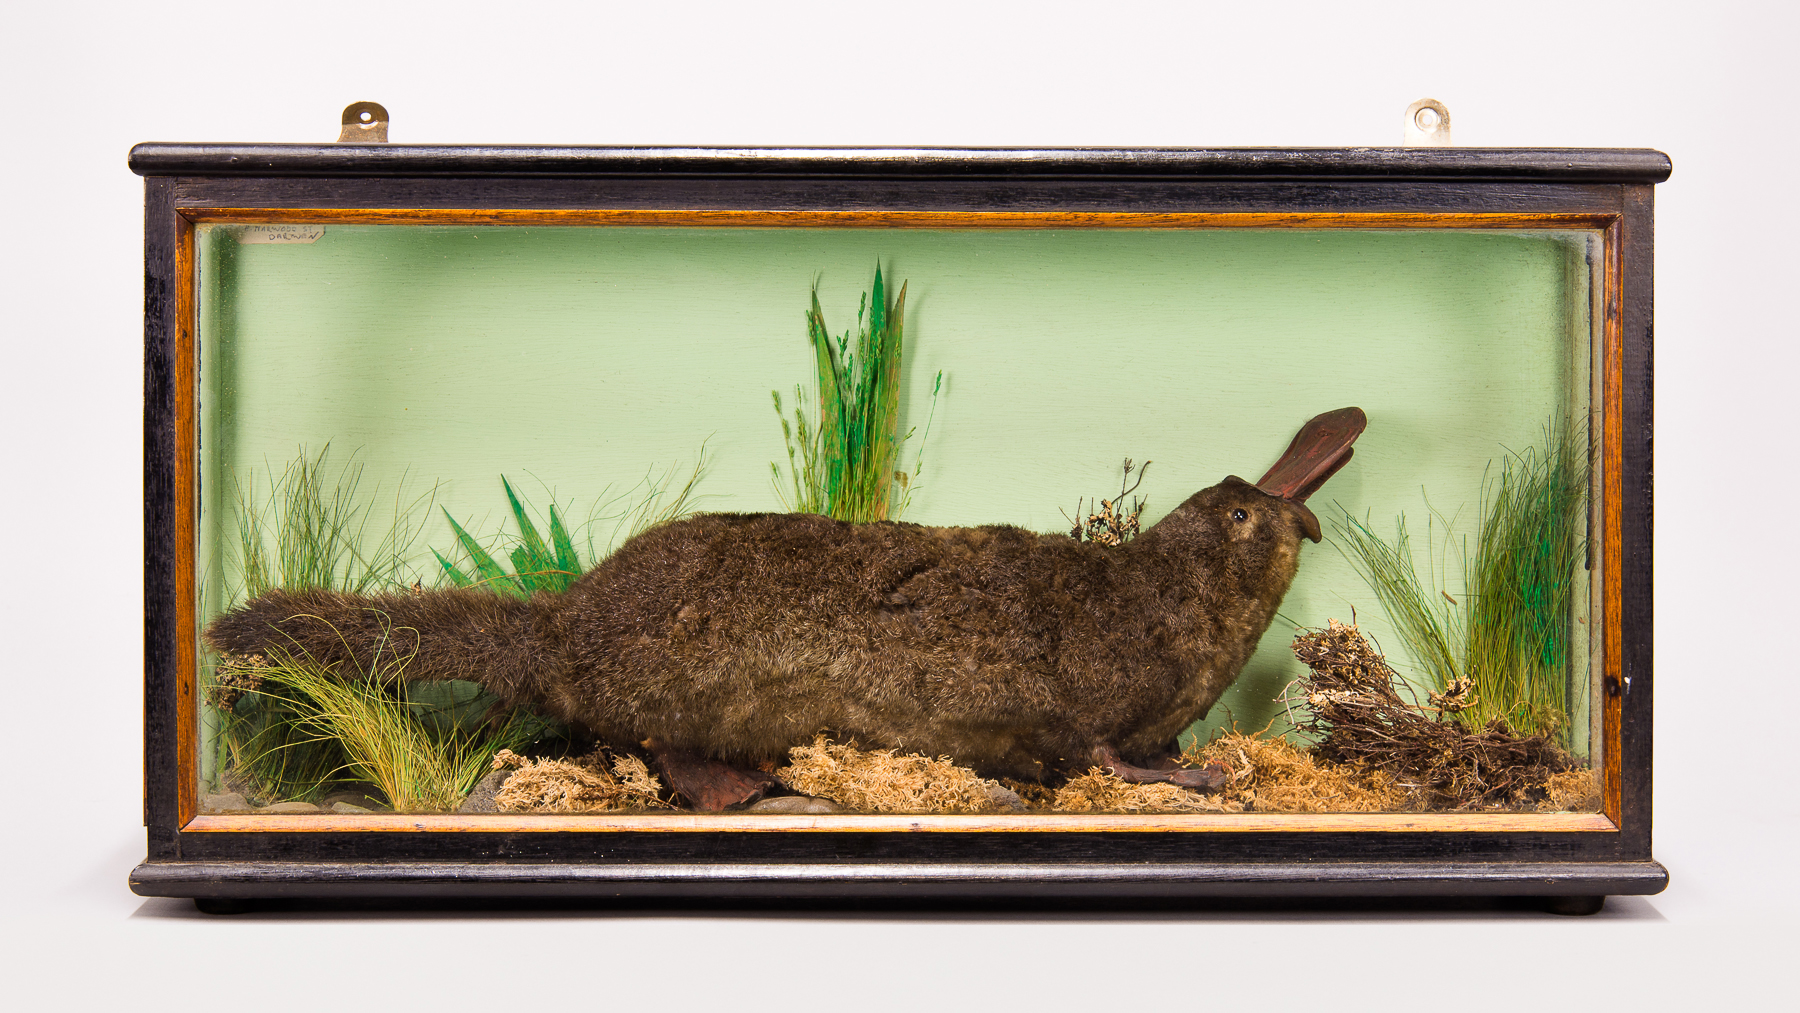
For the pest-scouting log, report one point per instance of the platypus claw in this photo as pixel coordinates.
(1210, 778)
(708, 785)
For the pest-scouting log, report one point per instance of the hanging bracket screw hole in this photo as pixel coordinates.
(364, 123)
(1427, 124)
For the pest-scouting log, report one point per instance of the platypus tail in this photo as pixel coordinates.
(504, 644)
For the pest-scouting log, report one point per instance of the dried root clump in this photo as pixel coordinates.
(1100, 791)
(590, 784)
(884, 781)
(233, 676)
(1274, 775)
(1359, 718)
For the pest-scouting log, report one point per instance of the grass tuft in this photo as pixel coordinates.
(1510, 630)
(311, 530)
(419, 765)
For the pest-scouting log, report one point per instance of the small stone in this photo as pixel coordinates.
(345, 807)
(290, 807)
(795, 805)
(366, 799)
(1007, 799)
(481, 799)
(225, 802)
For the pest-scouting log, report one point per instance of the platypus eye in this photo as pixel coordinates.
(1240, 515)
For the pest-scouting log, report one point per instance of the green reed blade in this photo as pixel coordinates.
(457, 577)
(566, 559)
(490, 573)
(537, 553)
(527, 570)
(1388, 569)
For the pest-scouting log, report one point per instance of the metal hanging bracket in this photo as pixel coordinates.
(364, 123)
(1427, 124)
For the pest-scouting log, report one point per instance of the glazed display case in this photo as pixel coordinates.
(410, 395)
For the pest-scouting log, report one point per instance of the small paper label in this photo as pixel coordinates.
(249, 234)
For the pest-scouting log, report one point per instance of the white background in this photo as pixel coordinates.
(1710, 87)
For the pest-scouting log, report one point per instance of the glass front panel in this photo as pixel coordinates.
(374, 399)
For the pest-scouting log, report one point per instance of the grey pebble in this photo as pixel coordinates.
(1007, 799)
(345, 807)
(225, 802)
(367, 800)
(481, 798)
(290, 807)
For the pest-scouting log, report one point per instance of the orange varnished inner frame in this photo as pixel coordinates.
(187, 707)
(1612, 450)
(1052, 823)
(187, 665)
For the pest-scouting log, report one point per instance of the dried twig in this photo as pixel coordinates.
(1111, 523)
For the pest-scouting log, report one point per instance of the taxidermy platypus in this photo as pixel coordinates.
(723, 640)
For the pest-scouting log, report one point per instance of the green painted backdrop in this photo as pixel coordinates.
(573, 360)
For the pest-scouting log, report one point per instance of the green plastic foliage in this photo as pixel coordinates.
(536, 566)
(845, 465)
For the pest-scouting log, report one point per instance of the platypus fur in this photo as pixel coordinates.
(733, 637)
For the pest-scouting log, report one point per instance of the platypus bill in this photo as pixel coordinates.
(722, 640)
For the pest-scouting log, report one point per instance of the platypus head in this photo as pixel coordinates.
(1224, 559)
(1320, 448)
(1259, 526)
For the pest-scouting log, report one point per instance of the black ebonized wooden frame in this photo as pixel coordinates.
(925, 858)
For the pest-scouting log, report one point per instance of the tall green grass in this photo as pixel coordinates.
(846, 463)
(312, 529)
(1509, 630)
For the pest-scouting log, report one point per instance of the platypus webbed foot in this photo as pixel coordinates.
(1210, 778)
(708, 785)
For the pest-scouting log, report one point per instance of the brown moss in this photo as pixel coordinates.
(885, 781)
(1099, 791)
(1274, 775)
(576, 786)
(1575, 791)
